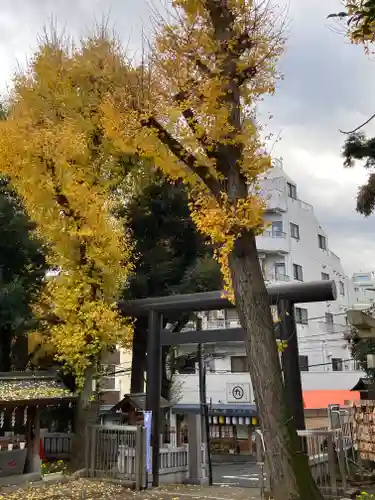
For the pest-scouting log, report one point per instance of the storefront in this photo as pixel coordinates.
(231, 426)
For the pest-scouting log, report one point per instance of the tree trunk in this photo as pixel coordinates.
(20, 352)
(6, 350)
(289, 468)
(137, 382)
(86, 414)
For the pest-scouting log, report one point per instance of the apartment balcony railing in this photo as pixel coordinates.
(218, 324)
(276, 200)
(273, 242)
(276, 277)
(334, 328)
(303, 205)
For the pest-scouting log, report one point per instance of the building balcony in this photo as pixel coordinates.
(271, 242)
(302, 205)
(276, 200)
(334, 328)
(220, 324)
(276, 277)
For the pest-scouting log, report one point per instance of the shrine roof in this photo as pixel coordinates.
(137, 401)
(32, 388)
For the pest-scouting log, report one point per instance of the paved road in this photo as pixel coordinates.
(246, 475)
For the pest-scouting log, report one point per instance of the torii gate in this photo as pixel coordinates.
(284, 296)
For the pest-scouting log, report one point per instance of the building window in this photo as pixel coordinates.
(280, 271)
(108, 380)
(301, 316)
(186, 365)
(337, 365)
(304, 363)
(107, 384)
(292, 190)
(342, 288)
(322, 241)
(297, 272)
(325, 276)
(328, 318)
(277, 228)
(238, 364)
(294, 231)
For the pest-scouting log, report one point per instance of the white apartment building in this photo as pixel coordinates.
(294, 247)
(364, 289)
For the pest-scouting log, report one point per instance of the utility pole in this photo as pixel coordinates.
(205, 426)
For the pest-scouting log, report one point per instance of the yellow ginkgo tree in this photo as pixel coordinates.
(54, 148)
(210, 64)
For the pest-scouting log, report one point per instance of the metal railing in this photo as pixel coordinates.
(276, 277)
(176, 459)
(325, 449)
(274, 234)
(328, 452)
(334, 327)
(57, 446)
(116, 452)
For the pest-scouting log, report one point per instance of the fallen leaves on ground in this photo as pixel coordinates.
(71, 490)
(86, 489)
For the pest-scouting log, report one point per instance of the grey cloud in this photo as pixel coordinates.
(22, 21)
(328, 82)
(328, 85)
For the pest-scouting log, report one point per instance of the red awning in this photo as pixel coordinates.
(321, 399)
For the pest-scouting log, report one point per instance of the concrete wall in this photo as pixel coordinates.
(218, 384)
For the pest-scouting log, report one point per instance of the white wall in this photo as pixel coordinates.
(123, 379)
(217, 385)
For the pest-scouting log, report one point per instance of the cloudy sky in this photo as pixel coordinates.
(328, 85)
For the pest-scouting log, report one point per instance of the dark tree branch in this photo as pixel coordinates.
(209, 146)
(243, 43)
(222, 20)
(188, 159)
(359, 127)
(245, 75)
(200, 64)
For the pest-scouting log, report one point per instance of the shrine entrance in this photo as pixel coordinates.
(283, 296)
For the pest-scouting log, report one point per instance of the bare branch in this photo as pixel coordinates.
(359, 127)
(188, 159)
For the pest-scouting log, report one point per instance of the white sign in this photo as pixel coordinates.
(238, 393)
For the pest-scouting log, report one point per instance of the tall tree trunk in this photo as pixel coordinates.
(20, 352)
(5, 350)
(289, 468)
(86, 414)
(137, 381)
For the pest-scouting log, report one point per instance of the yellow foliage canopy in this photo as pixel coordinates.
(209, 68)
(54, 148)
